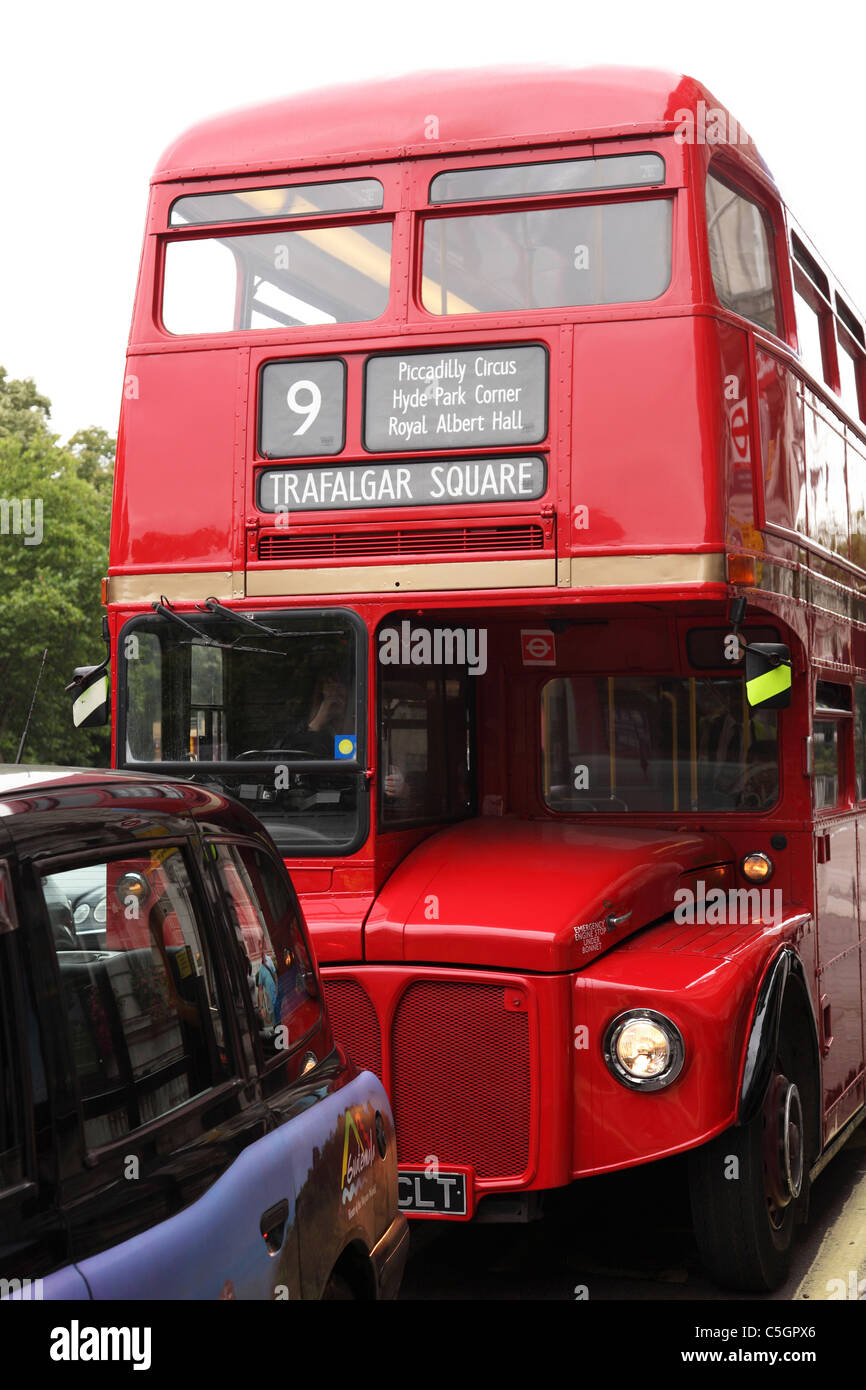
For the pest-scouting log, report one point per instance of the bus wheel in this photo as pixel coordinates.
(747, 1188)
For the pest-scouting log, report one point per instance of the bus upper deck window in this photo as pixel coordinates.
(541, 258)
(294, 200)
(740, 255)
(277, 279)
(560, 176)
(848, 377)
(809, 336)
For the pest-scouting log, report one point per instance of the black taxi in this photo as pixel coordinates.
(175, 1118)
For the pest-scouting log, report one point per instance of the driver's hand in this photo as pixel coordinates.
(395, 782)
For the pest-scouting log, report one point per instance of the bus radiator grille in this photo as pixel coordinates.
(354, 1023)
(461, 1078)
(430, 540)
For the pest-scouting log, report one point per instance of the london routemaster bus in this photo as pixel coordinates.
(489, 518)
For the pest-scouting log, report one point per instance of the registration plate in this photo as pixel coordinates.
(441, 1193)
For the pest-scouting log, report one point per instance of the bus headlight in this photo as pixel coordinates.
(757, 868)
(644, 1050)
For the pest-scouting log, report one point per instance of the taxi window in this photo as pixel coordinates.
(281, 979)
(145, 1017)
(10, 1071)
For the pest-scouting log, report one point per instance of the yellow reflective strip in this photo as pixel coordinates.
(762, 688)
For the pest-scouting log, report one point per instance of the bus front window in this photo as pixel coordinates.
(243, 708)
(656, 744)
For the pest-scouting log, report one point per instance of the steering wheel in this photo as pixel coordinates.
(64, 937)
(601, 806)
(266, 754)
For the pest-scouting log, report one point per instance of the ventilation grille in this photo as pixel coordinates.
(427, 540)
(461, 1078)
(354, 1023)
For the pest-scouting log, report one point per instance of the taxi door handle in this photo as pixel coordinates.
(273, 1226)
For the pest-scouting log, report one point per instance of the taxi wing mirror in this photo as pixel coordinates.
(768, 675)
(90, 697)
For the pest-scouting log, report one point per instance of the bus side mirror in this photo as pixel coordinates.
(89, 687)
(768, 675)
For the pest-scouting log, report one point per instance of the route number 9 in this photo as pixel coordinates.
(309, 408)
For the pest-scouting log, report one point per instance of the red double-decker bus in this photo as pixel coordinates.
(489, 518)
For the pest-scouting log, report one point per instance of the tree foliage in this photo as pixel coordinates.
(55, 503)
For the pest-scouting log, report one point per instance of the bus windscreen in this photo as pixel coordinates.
(251, 704)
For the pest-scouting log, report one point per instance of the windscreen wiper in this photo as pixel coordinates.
(219, 609)
(165, 610)
(214, 606)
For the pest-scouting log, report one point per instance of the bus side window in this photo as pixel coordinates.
(741, 254)
(832, 717)
(809, 335)
(860, 739)
(826, 764)
(425, 753)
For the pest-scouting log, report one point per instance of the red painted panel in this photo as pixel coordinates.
(709, 996)
(737, 448)
(175, 473)
(471, 894)
(647, 435)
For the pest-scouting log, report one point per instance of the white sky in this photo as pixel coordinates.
(91, 94)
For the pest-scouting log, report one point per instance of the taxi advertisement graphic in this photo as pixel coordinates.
(359, 1155)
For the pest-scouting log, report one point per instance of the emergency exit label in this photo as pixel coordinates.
(466, 399)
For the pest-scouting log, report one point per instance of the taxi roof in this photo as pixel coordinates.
(37, 801)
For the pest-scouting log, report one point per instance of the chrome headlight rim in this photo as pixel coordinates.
(676, 1046)
(765, 859)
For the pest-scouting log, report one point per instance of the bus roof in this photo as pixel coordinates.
(481, 108)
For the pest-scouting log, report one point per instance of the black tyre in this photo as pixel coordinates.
(748, 1190)
(338, 1289)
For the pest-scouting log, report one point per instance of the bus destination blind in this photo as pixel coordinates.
(466, 399)
(403, 483)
